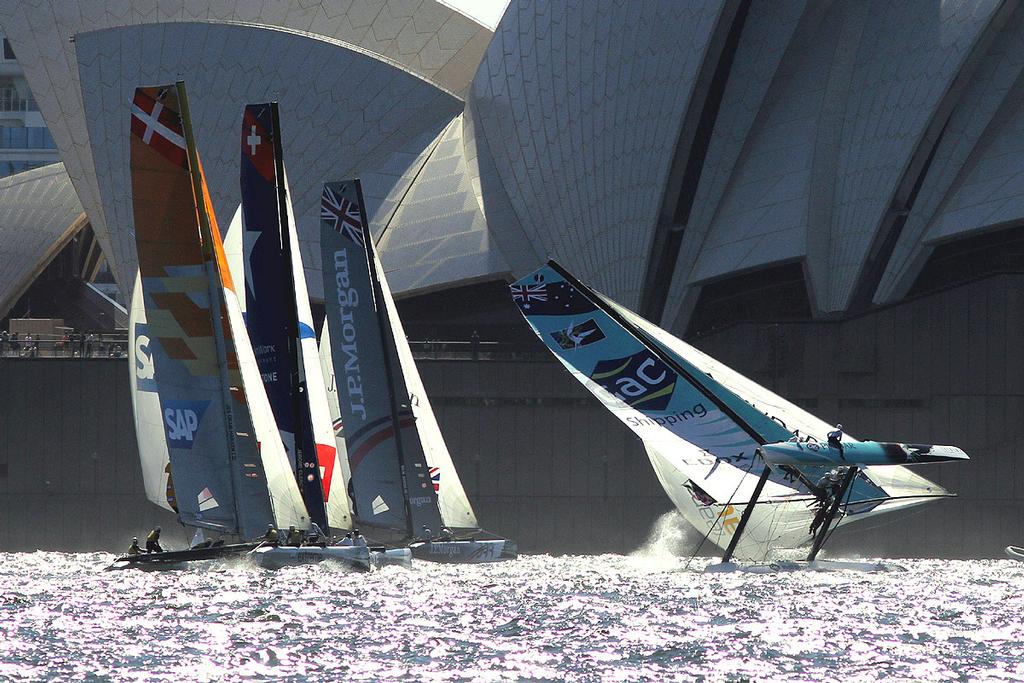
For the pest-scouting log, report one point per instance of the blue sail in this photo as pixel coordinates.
(271, 315)
(391, 486)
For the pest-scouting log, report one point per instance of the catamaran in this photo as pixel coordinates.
(405, 489)
(280, 325)
(208, 440)
(741, 464)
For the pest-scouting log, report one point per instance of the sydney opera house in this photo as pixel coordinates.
(826, 195)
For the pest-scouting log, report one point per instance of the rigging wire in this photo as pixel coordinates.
(712, 527)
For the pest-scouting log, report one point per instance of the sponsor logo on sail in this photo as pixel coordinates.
(419, 501)
(640, 381)
(378, 506)
(348, 300)
(145, 372)
(574, 336)
(206, 500)
(181, 421)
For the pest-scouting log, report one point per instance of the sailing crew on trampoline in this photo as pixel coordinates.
(270, 537)
(347, 540)
(153, 541)
(294, 537)
(134, 548)
(835, 439)
(358, 538)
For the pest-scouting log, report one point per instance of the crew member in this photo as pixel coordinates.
(835, 439)
(134, 548)
(153, 541)
(294, 537)
(270, 537)
(321, 537)
(427, 535)
(358, 538)
(347, 540)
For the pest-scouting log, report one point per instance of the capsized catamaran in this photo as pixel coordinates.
(404, 484)
(740, 463)
(230, 470)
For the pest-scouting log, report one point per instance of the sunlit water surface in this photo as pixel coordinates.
(646, 617)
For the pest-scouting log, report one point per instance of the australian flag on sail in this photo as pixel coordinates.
(266, 298)
(342, 213)
(550, 298)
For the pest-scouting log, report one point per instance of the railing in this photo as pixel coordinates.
(52, 346)
(117, 346)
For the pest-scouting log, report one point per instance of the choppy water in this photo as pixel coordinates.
(541, 618)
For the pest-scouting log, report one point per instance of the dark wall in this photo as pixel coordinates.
(69, 471)
(545, 465)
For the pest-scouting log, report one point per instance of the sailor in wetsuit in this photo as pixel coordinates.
(134, 548)
(835, 440)
(358, 538)
(153, 541)
(270, 537)
(294, 537)
(829, 487)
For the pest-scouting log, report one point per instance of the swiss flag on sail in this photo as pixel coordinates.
(158, 126)
(256, 143)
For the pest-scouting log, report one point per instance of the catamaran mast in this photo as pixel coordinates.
(307, 467)
(216, 303)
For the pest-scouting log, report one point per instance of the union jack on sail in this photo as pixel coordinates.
(344, 214)
(435, 477)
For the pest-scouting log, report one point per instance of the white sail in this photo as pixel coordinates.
(339, 514)
(343, 474)
(456, 510)
(285, 499)
(149, 423)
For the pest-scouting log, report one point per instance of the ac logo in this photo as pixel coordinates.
(641, 380)
(181, 421)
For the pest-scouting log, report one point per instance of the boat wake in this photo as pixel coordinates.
(669, 540)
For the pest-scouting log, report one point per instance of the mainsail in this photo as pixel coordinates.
(701, 423)
(391, 484)
(226, 475)
(278, 315)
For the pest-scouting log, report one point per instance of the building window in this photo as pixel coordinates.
(771, 294)
(8, 50)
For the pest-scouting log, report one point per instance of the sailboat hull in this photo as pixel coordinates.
(354, 557)
(465, 552)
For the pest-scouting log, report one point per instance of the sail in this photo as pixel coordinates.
(896, 481)
(332, 477)
(271, 297)
(340, 481)
(149, 422)
(390, 478)
(220, 478)
(700, 436)
(456, 512)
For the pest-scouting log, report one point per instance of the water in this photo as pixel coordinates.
(608, 617)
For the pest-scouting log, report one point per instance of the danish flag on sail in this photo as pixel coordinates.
(158, 127)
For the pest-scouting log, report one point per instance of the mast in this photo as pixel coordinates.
(306, 465)
(747, 512)
(389, 355)
(216, 303)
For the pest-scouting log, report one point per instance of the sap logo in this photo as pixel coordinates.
(641, 380)
(181, 421)
(575, 336)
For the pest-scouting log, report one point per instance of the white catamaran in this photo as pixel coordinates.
(404, 485)
(741, 464)
(208, 440)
